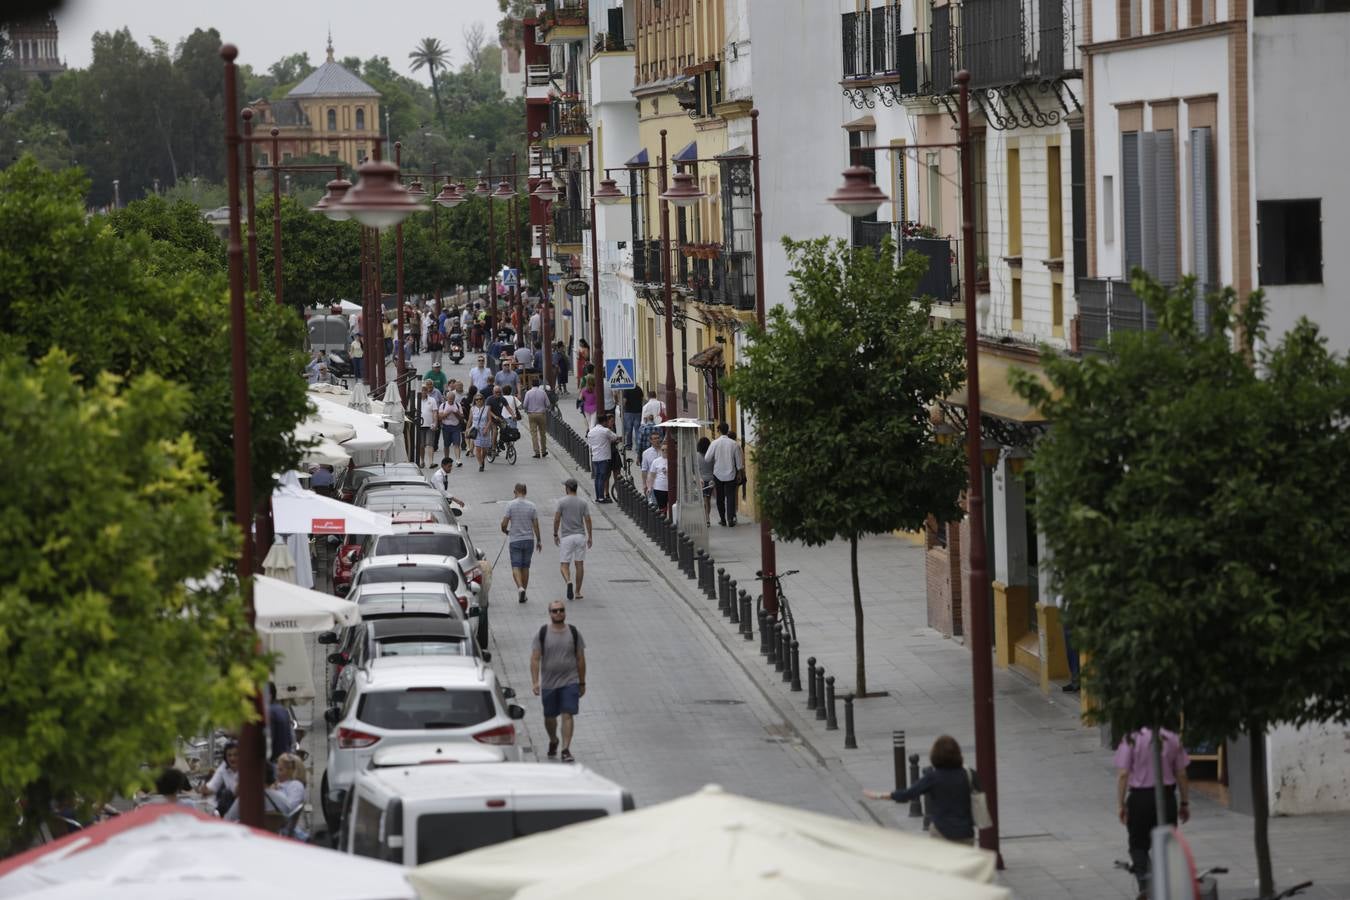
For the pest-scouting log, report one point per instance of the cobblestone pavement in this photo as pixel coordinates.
(677, 700)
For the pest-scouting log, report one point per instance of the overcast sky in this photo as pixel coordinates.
(266, 30)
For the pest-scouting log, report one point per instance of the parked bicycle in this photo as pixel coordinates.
(784, 608)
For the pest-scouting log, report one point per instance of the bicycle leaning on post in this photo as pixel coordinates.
(784, 608)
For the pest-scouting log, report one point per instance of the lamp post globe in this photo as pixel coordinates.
(378, 200)
(609, 192)
(859, 195)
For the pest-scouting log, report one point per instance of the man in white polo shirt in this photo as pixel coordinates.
(728, 467)
(601, 440)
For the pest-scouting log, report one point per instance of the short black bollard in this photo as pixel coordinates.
(733, 610)
(747, 623)
(776, 645)
(915, 805)
(763, 645)
(795, 670)
(810, 682)
(685, 549)
(850, 739)
(785, 656)
(831, 716)
(898, 753)
(820, 694)
(723, 598)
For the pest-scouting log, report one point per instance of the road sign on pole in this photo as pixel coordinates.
(619, 374)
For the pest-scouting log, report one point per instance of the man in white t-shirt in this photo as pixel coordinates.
(429, 406)
(480, 374)
(728, 468)
(601, 440)
(651, 453)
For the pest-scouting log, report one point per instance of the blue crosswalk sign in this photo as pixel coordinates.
(619, 374)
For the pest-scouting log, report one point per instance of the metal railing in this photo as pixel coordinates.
(568, 224)
(1108, 306)
(869, 233)
(706, 280)
(738, 267)
(942, 46)
(567, 117)
(647, 262)
(1010, 41)
(610, 43)
(939, 280)
(876, 46)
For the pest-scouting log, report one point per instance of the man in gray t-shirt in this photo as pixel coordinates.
(558, 674)
(521, 527)
(572, 534)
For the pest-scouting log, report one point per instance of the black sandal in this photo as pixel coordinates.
(567, 756)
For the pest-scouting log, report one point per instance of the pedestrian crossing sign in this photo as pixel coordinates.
(619, 374)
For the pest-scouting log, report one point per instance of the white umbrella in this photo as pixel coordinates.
(360, 398)
(299, 547)
(349, 307)
(279, 563)
(326, 452)
(282, 607)
(170, 852)
(292, 673)
(395, 419)
(659, 835)
(370, 434)
(298, 511)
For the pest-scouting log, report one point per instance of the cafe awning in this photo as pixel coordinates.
(1005, 416)
(707, 358)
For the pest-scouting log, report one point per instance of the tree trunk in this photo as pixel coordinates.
(1261, 811)
(436, 93)
(859, 651)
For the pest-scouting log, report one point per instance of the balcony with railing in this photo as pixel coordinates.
(569, 223)
(878, 50)
(738, 278)
(647, 262)
(567, 121)
(1006, 42)
(561, 21)
(940, 280)
(1109, 306)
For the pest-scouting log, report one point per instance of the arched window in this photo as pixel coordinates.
(360, 118)
(332, 120)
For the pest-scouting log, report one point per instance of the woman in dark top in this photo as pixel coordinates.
(947, 785)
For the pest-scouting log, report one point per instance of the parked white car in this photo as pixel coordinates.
(407, 700)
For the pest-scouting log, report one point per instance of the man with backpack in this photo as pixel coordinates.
(558, 674)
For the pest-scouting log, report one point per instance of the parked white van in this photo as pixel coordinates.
(417, 814)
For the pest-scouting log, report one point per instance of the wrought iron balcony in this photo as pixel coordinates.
(942, 50)
(1006, 42)
(606, 42)
(738, 267)
(647, 262)
(875, 47)
(1109, 306)
(567, 117)
(869, 233)
(706, 280)
(939, 280)
(569, 223)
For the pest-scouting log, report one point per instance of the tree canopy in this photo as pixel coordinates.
(1190, 495)
(105, 656)
(840, 387)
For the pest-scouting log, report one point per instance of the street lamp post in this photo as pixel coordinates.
(860, 196)
(597, 346)
(768, 554)
(546, 193)
(672, 470)
(492, 253)
(247, 115)
(276, 214)
(251, 748)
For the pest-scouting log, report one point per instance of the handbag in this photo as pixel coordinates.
(979, 805)
(473, 433)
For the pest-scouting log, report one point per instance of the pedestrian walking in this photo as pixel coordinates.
(632, 417)
(452, 422)
(480, 375)
(601, 440)
(1136, 804)
(358, 354)
(728, 471)
(480, 430)
(706, 479)
(536, 321)
(573, 536)
(589, 400)
(560, 367)
(658, 477)
(948, 786)
(558, 675)
(583, 359)
(655, 448)
(521, 527)
(653, 414)
(536, 408)
(428, 426)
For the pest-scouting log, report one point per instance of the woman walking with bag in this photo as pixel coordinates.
(480, 429)
(956, 806)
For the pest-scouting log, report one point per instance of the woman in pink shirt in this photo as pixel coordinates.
(590, 401)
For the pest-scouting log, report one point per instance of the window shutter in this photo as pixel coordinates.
(1165, 207)
(1203, 263)
(1148, 202)
(1129, 200)
(879, 61)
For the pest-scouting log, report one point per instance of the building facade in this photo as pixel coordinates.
(331, 112)
(34, 46)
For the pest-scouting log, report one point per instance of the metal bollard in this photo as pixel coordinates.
(684, 548)
(831, 718)
(810, 682)
(780, 662)
(785, 656)
(915, 805)
(723, 595)
(732, 611)
(898, 753)
(763, 642)
(820, 694)
(850, 739)
(765, 630)
(775, 657)
(747, 624)
(795, 670)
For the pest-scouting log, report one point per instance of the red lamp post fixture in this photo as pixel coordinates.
(768, 553)
(328, 204)
(859, 196)
(546, 193)
(608, 192)
(597, 340)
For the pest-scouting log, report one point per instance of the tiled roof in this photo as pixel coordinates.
(331, 80)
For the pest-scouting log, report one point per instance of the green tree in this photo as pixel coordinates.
(320, 258)
(1191, 505)
(510, 27)
(73, 281)
(433, 57)
(182, 240)
(840, 388)
(105, 657)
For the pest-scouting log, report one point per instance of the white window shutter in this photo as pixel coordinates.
(1166, 208)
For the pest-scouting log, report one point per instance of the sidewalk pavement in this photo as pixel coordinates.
(678, 700)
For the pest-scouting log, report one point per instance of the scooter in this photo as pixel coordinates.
(456, 348)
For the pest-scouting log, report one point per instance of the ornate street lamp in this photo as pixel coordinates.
(417, 191)
(329, 203)
(685, 191)
(545, 192)
(450, 195)
(378, 200)
(859, 195)
(609, 192)
(504, 191)
(483, 189)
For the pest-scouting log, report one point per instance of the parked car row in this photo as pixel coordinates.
(411, 688)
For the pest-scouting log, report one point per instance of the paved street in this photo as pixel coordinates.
(677, 700)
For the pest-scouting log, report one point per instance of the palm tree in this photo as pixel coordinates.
(431, 55)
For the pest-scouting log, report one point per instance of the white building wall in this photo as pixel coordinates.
(1307, 769)
(786, 58)
(1300, 68)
